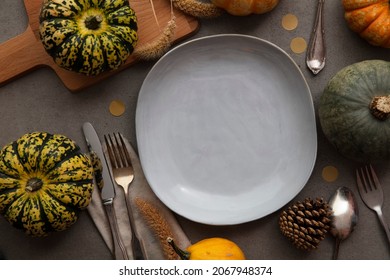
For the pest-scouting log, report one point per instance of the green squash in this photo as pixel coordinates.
(88, 36)
(45, 180)
(354, 110)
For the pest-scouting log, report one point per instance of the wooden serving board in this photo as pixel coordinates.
(25, 52)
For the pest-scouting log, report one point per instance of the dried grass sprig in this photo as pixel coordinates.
(154, 12)
(198, 8)
(160, 46)
(159, 225)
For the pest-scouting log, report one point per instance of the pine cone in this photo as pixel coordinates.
(306, 223)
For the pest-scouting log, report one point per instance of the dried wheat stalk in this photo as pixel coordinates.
(159, 225)
(198, 8)
(160, 46)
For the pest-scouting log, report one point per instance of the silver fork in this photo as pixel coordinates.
(371, 192)
(122, 170)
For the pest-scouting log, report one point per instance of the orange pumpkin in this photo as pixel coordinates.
(370, 19)
(246, 7)
(215, 248)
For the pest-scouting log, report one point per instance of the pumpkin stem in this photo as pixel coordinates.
(34, 184)
(93, 22)
(380, 107)
(184, 255)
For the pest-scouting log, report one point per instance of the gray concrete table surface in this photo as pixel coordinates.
(38, 101)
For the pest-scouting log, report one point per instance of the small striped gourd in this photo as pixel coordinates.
(88, 36)
(45, 180)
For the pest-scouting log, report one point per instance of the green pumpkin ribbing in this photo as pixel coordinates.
(345, 115)
(88, 36)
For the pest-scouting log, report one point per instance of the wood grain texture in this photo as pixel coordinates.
(25, 52)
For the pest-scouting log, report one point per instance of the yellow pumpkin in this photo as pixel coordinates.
(370, 19)
(215, 248)
(246, 7)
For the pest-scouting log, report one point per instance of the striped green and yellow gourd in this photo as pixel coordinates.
(88, 36)
(45, 180)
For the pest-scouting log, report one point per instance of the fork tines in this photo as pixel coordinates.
(117, 151)
(371, 193)
(367, 179)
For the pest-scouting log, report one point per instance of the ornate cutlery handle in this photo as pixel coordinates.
(315, 58)
(119, 248)
(384, 224)
(135, 242)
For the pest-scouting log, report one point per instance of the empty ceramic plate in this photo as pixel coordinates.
(226, 129)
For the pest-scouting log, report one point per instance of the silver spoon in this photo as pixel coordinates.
(315, 56)
(344, 217)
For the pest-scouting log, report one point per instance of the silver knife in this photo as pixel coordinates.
(108, 190)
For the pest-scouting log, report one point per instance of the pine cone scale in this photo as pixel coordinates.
(306, 223)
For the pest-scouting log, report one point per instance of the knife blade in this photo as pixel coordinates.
(108, 191)
(94, 145)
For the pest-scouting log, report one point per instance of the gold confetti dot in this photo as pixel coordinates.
(330, 173)
(289, 22)
(117, 108)
(298, 45)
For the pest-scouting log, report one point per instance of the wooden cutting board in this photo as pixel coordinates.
(25, 52)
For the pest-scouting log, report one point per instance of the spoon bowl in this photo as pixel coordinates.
(344, 217)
